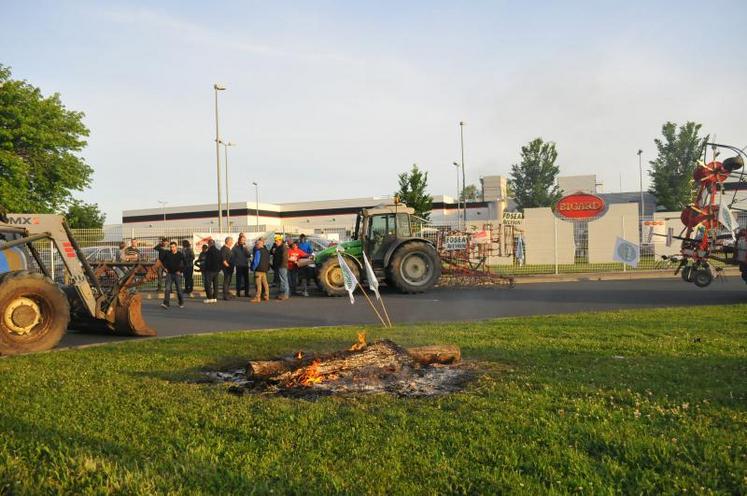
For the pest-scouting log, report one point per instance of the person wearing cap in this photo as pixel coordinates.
(304, 244)
(260, 266)
(280, 266)
(294, 255)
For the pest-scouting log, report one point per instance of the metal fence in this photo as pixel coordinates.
(103, 245)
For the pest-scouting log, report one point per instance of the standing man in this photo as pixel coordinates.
(241, 257)
(226, 253)
(280, 266)
(131, 253)
(294, 255)
(304, 244)
(210, 269)
(173, 262)
(189, 260)
(162, 248)
(260, 266)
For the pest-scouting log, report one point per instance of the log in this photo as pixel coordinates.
(267, 368)
(443, 354)
(382, 354)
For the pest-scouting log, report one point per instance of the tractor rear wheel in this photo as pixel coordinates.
(34, 313)
(414, 268)
(330, 277)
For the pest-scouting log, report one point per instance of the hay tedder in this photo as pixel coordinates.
(35, 311)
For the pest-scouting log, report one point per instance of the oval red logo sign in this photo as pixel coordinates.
(580, 206)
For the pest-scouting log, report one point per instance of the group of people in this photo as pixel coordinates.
(287, 259)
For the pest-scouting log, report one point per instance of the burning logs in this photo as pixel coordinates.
(382, 366)
(424, 355)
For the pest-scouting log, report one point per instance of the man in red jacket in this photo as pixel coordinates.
(294, 255)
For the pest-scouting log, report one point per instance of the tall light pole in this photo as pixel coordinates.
(640, 174)
(464, 181)
(217, 87)
(163, 209)
(256, 208)
(228, 202)
(459, 212)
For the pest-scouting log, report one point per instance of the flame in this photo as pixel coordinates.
(361, 342)
(311, 375)
(299, 355)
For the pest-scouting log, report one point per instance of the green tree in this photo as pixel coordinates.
(470, 193)
(533, 180)
(412, 191)
(39, 142)
(81, 215)
(672, 170)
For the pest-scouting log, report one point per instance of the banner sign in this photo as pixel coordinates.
(202, 238)
(513, 218)
(653, 230)
(455, 243)
(626, 252)
(580, 206)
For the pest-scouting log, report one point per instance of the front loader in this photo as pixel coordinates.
(35, 311)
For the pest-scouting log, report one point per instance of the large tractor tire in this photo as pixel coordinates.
(414, 268)
(330, 277)
(34, 313)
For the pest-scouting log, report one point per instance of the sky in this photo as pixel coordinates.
(333, 99)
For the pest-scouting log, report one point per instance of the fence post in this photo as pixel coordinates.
(51, 258)
(622, 222)
(555, 244)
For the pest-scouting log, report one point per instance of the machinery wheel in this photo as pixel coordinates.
(34, 313)
(330, 277)
(702, 277)
(687, 273)
(414, 268)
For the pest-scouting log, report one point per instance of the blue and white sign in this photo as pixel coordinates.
(626, 252)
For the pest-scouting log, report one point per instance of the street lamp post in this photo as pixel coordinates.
(217, 87)
(256, 208)
(163, 209)
(228, 202)
(464, 181)
(640, 174)
(459, 212)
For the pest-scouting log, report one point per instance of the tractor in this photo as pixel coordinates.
(385, 234)
(35, 311)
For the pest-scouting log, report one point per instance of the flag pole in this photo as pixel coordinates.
(372, 305)
(386, 314)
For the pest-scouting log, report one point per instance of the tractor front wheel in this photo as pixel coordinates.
(330, 277)
(414, 268)
(34, 313)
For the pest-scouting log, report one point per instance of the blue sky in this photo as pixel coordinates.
(334, 99)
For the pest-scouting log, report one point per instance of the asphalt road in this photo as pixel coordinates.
(442, 305)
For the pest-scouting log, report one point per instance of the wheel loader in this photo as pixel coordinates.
(409, 263)
(35, 311)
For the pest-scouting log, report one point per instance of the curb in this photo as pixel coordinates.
(609, 276)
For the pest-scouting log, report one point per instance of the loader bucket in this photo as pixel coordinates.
(128, 317)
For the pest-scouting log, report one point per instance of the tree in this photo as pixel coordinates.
(81, 215)
(39, 142)
(533, 180)
(672, 170)
(470, 193)
(412, 191)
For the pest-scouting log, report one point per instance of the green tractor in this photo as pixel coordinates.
(409, 263)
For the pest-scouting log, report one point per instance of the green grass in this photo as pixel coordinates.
(650, 402)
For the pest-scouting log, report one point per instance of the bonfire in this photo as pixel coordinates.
(378, 367)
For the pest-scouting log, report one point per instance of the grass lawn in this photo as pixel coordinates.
(646, 401)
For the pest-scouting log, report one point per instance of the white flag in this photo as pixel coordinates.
(350, 281)
(373, 282)
(626, 252)
(726, 218)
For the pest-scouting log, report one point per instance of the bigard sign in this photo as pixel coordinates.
(580, 206)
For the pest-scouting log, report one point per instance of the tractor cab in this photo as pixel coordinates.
(378, 228)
